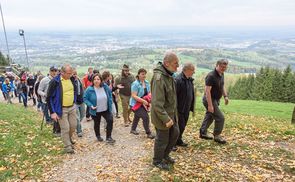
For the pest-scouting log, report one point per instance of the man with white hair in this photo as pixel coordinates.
(185, 98)
(164, 110)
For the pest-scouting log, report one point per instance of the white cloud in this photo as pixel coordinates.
(60, 14)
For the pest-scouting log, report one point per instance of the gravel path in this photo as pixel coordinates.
(127, 160)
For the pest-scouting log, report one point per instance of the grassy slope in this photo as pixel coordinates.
(25, 151)
(261, 144)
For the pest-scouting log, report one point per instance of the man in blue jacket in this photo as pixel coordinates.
(61, 99)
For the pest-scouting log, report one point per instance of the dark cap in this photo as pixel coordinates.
(125, 66)
(53, 68)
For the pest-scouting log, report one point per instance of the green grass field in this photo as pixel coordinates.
(261, 141)
(25, 150)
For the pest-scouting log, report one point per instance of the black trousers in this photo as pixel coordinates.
(182, 122)
(87, 112)
(116, 104)
(164, 142)
(109, 119)
(141, 113)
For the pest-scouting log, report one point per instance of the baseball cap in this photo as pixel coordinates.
(53, 68)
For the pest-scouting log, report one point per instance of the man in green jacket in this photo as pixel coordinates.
(164, 110)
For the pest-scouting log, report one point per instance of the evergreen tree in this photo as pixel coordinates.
(3, 60)
(277, 85)
(287, 85)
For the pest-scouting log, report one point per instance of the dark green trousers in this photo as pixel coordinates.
(164, 142)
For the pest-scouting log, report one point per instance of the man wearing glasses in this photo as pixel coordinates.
(42, 91)
(125, 79)
(214, 90)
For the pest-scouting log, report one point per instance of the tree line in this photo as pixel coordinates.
(3, 60)
(269, 84)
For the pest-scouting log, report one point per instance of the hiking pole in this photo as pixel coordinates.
(42, 121)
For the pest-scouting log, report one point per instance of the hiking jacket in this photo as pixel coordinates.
(90, 98)
(54, 95)
(183, 87)
(4, 88)
(164, 102)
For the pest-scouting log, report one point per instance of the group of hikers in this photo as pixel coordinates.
(65, 100)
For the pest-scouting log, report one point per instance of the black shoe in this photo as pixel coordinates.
(169, 160)
(161, 165)
(219, 139)
(182, 144)
(174, 149)
(134, 132)
(110, 140)
(99, 139)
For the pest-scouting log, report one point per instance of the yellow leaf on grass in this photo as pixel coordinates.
(2, 168)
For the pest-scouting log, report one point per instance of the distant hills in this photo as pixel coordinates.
(246, 52)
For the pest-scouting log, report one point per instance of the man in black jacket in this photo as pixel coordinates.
(185, 98)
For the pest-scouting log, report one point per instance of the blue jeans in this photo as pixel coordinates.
(24, 96)
(45, 112)
(80, 109)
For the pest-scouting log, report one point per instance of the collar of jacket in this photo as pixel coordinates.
(58, 78)
(160, 68)
(185, 78)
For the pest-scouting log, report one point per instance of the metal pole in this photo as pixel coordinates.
(5, 34)
(22, 33)
(26, 51)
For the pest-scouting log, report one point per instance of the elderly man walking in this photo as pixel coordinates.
(185, 98)
(164, 110)
(61, 99)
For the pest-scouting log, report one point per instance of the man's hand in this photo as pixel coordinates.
(120, 86)
(211, 109)
(93, 108)
(169, 124)
(54, 116)
(226, 100)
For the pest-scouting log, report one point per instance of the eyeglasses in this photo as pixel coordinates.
(53, 70)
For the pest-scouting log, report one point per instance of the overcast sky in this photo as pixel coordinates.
(97, 14)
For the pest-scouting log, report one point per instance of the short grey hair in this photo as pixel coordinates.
(222, 62)
(188, 66)
(169, 56)
(63, 68)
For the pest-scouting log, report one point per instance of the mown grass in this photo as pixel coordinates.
(261, 141)
(26, 151)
